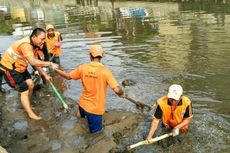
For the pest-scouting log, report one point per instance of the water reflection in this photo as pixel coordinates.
(20, 16)
(175, 38)
(151, 35)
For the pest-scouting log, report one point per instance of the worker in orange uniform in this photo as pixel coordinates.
(95, 78)
(53, 43)
(175, 110)
(15, 61)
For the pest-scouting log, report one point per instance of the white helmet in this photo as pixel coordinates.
(175, 91)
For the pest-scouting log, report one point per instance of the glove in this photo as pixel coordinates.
(175, 131)
(53, 66)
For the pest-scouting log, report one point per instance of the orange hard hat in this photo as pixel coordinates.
(96, 50)
(49, 26)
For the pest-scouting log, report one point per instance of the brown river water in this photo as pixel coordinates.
(154, 44)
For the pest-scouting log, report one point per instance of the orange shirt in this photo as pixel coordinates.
(50, 43)
(95, 78)
(15, 55)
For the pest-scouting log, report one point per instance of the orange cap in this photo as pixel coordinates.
(49, 26)
(96, 50)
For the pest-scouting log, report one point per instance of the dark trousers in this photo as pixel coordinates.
(1, 77)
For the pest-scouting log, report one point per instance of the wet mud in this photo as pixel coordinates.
(208, 132)
(60, 131)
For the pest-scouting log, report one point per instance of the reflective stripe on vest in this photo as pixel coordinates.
(14, 55)
(13, 58)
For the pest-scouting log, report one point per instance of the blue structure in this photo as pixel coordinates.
(132, 12)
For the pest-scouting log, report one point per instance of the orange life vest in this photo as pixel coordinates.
(50, 43)
(174, 117)
(13, 58)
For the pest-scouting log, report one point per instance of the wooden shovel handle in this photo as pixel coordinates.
(149, 142)
(138, 103)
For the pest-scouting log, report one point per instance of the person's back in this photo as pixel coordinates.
(95, 78)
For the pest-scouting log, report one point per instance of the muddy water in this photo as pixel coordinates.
(185, 43)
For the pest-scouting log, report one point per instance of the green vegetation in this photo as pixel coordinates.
(4, 28)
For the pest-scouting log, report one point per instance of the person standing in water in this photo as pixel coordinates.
(53, 43)
(95, 79)
(175, 110)
(15, 61)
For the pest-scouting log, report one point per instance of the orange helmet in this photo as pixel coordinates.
(96, 50)
(49, 26)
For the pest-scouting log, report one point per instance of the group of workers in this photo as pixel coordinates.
(174, 109)
(33, 50)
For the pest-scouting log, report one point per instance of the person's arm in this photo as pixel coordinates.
(183, 123)
(27, 51)
(37, 63)
(187, 117)
(42, 72)
(153, 128)
(112, 82)
(118, 90)
(157, 115)
(63, 74)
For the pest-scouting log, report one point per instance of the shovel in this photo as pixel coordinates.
(139, 104)
(58, 95)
